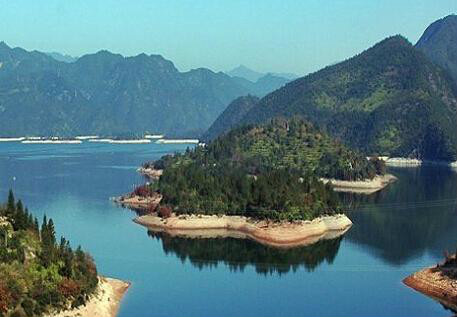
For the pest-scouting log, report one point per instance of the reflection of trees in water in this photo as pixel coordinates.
(237, 254)
(416, 214)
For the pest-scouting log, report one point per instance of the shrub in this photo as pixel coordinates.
(164, 211)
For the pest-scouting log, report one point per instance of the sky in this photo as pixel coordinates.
(297, 36)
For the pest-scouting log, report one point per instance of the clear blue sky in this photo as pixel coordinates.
(267, 35)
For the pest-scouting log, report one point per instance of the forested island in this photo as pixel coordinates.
(40, 276)
(282, 171)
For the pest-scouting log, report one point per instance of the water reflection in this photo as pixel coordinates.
(417, 214)
(237, 254)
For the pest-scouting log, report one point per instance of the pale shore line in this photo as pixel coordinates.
(412, 162)
(104, 303)
(363, 187)
(432, 283)
(150, 172)
(283, 234)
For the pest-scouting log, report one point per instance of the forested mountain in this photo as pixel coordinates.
(108, 94)
(231, 116)
(265, 171)
(38, 275)
(388, 100)
(439, 43)
(263, 85)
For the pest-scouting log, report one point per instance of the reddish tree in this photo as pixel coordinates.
(164, 211)
(68, 288)
(5, 298)
(143, 191)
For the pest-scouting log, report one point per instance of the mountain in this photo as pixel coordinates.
(388, 100)
(231, 116)
(246, 73)
(263, 85)
(62, 57)
(108, 94)
(439, 43)
(253, 76)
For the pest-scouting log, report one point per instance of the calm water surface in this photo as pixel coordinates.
(395, 232)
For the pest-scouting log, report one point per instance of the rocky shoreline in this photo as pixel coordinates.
(281, 234)
(438, 282)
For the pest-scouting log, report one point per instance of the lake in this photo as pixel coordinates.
(397, 231)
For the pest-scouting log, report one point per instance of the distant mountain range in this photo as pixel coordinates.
(252, 75)
(62, 57)
(388, 100)
(108, 94)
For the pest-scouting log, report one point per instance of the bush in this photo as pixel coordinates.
(164, 212)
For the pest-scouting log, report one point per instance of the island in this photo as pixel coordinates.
(438, 282)
(263, 182)
(42, 277)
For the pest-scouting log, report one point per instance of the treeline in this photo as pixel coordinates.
(276, 194)
(37, 274)
(262, 171)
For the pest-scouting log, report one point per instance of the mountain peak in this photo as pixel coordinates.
(439, 43)
(3, 45)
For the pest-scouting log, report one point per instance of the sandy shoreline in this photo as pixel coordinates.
(362, 187)
(105, 303)
(432, 283)
(283, 235)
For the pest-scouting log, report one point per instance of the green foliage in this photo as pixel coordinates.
(36, 274)
(267, 171)
(383, 101)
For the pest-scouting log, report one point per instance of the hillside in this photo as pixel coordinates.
(264, 171)
(37, 274)
(388, 100)
(108, 94)
(231, 116)
(439, 43)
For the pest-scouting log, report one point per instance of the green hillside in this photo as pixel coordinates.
(266, 171)
(388, 100)
(37, 273)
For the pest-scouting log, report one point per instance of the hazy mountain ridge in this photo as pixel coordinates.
(108, 94)
(389, 100)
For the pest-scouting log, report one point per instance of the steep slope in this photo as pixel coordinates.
(439, 43)
(389, 100)
(231, 116)
(264, 85)
(108, 94)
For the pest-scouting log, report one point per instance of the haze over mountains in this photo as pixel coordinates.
(391, 100)
(108, 94)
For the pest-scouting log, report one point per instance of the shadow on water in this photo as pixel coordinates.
(415, 215)
(237, 254)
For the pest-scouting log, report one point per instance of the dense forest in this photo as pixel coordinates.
(37, 273)
(262, 171)
(389, 100)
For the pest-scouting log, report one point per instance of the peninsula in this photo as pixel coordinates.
(40, 277)
(438, 282)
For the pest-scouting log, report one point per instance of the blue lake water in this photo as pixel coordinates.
(396, 232)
